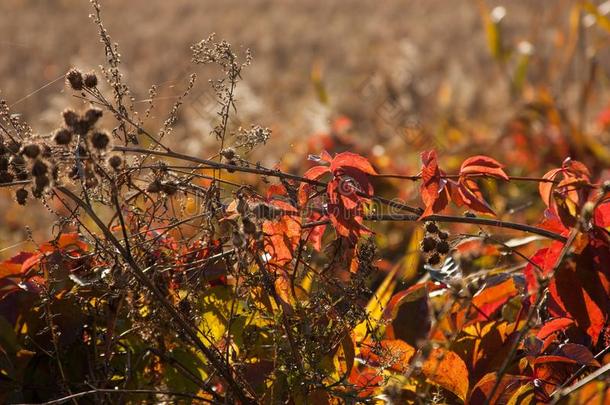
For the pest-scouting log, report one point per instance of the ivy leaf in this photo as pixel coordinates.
(434, 190)
(447, 369)
(482, 165)
(351, 160)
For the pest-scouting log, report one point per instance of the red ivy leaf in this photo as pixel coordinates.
(316, 172)
(482, 165)
(467, 192)
(434, 190)
(349, 159)
(581, 286)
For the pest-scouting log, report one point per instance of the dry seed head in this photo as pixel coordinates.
(39, 168)
(443, 235)
(232, 163)
(21, 196)
(42, 182)
(90, 80)
(82, 126)
(100, 140)
(442, 247)
(115, 161)
(31, 151)
(71, 118)
(428, 244)
(62, 136)
(92, 115)
(431, 227)
(434, 259)
(75, 79)
(228, 153)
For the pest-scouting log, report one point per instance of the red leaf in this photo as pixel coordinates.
(316, 172)
(349, 159)
(482, 165)
(434, 190)
(540, 265)
(602, 215)
(467, 193)
(581, 287)
(554, 325)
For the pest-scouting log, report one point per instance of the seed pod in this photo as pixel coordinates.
(39, 168)
(21, 196)
(228, 153)
(81, 127)
(431, 227)
(428, 244)
(31, 151)
(115, 161)
(100, 140)
(62, 136)
(92, 115)
(90, 80)
(443, 235)
(442, 247)
(71, 118)
(42, 182)
(434, 259)
(75, 79)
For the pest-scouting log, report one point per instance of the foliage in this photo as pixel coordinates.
(178, 278)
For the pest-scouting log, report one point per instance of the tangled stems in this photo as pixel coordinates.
(413, 217)
(239, 388)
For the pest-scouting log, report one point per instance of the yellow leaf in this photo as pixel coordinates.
(377, 304)
(412, 255)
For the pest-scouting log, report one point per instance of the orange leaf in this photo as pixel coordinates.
(447, 369)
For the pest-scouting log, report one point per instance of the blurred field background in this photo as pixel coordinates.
(388, 79)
